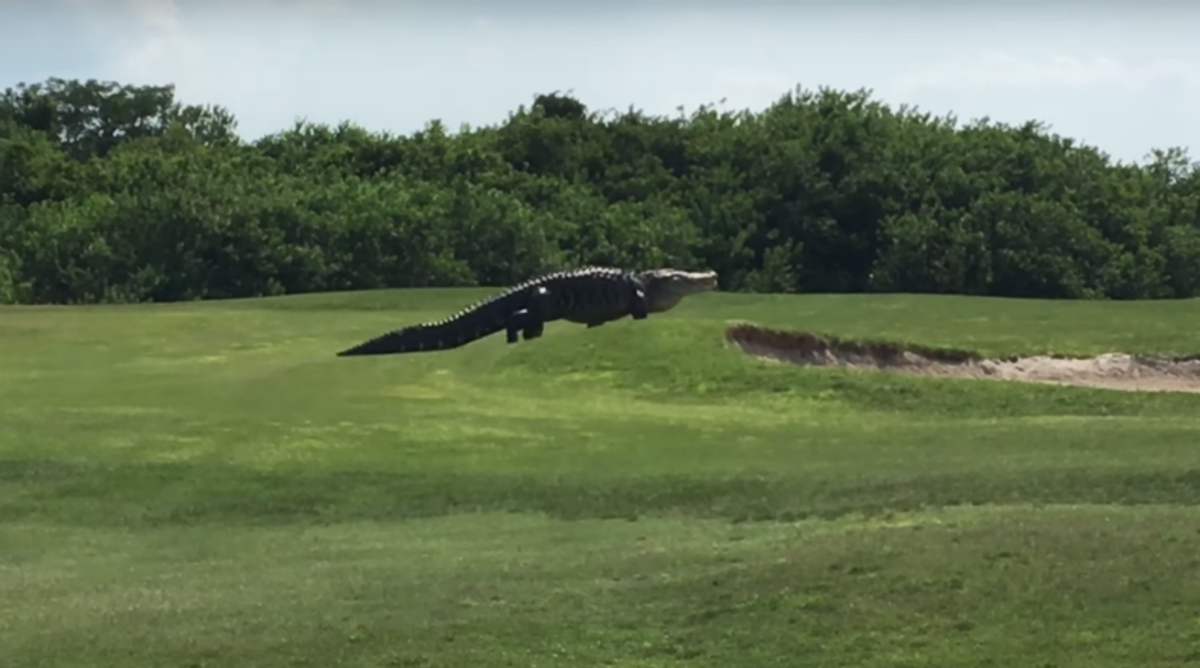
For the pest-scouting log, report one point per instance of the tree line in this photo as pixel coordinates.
(121, 193)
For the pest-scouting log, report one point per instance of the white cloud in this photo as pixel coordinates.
(1008, 71)
(161, 40)
(396, 65)
(759, 81)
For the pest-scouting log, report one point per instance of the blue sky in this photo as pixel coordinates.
(1124, 77)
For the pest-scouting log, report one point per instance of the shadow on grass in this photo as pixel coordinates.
(144, 495)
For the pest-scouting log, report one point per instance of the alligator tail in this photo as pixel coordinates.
(466, 326)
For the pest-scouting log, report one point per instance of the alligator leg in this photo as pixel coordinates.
(638, 308)
(535, 319)
(530, 321)
(516, 322)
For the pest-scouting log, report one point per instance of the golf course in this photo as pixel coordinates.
(205, 484)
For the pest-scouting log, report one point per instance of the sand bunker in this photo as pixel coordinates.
(1115, 371)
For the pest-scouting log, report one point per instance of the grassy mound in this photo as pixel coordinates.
(206, 484)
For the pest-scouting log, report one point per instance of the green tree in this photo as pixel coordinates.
(113, 192)
(90, 118)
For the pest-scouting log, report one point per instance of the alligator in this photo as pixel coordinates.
(588, 296)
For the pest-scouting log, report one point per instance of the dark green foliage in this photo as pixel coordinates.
(112, 193)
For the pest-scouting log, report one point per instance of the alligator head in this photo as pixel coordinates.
(666, 287)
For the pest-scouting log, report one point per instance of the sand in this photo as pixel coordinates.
(1115, 371)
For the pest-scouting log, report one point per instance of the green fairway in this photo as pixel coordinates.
(207, 485)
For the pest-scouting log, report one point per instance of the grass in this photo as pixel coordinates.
(207, 485)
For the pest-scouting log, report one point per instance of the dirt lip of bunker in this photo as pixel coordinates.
(1114, 371)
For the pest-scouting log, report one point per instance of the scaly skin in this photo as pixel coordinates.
(588, 296)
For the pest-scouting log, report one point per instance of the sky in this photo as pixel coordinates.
(1122, 76)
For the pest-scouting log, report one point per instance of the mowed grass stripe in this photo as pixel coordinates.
(1057, 584)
